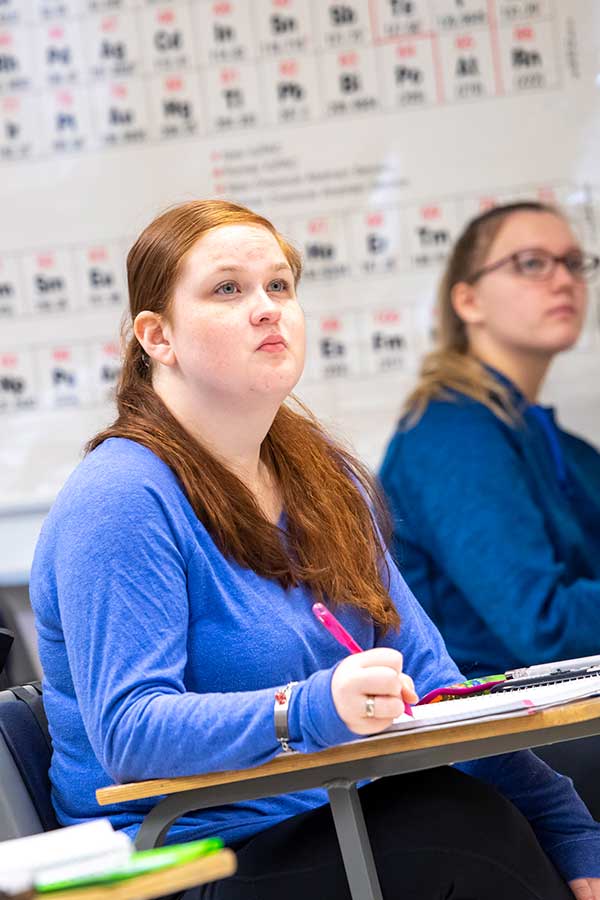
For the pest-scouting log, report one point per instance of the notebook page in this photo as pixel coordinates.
(503, 703)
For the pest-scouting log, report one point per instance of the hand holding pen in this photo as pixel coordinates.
(369, 688)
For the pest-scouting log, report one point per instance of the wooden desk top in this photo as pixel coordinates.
(381, 745)
(156, 884)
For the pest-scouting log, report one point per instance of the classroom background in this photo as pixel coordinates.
(369, 131)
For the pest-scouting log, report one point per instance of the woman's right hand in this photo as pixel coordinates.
(377, 674)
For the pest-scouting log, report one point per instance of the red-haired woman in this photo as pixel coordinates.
(173, 585)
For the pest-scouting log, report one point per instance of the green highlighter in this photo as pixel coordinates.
(140, 864)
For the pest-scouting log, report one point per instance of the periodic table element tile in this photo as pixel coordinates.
(480, 203)
(223, 31)
(19, 131)
(49, 281)
(233, 97)
(175, 105)
(105, 368)
(60, 54)
(16, 59)
(431, 230)
(468, 65)
(57, 10)
(290, 85)
(399, 18)
(63, 375)
(529, 57)
(387, 339)
(108, 6)
(112, 45)
(66, 120)
(18, 387)
(408, 74)
(283, 27)
(510, 11)
(11, 287)
(378, 241)
(461, 14)
(120, 112)
(101, 275)
(350, 83)
(15, 12)
(168, 43)
(322, 241)
(333, 346)
(476, 204)
(342, 24)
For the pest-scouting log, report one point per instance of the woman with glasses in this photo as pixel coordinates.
(497, 508)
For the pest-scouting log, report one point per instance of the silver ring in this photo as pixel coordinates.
(369, 706)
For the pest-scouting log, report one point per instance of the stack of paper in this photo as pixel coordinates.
(504, 703)
(62, 854)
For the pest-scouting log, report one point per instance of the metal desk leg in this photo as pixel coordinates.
(354, 840)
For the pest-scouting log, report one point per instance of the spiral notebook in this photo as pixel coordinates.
(492, 706)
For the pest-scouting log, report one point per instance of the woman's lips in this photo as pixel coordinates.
(564, 310)
(273, 344)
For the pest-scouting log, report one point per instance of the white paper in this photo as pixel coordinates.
(29, 855)
(502, 703)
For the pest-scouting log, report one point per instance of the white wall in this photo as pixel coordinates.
(369, 136)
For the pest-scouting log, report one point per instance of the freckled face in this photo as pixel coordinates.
(234, 323)
(521, 314)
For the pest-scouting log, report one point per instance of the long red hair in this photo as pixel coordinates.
(336, 523)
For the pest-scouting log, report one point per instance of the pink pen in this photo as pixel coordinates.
(337, 630)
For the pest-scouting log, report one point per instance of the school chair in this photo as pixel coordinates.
(26, 806)
(25, 752)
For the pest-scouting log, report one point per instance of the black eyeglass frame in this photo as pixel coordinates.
(513, 257)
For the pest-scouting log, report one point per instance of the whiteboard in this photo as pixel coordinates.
(369, 131)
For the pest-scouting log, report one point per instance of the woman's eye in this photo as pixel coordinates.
(228, 288)
(575, 262)
(533, 263)
(278, 285)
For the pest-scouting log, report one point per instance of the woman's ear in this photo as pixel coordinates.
(153, 333)
(465, 302)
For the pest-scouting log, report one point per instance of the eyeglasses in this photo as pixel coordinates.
(538, 265)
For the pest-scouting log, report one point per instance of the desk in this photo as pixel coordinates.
(156, 884)
(339, 768)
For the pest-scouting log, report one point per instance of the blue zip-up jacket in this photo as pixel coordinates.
(161, 657)
(497, 532)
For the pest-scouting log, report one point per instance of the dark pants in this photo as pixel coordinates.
(436, 835)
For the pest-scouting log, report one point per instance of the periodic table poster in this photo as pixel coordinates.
(369, 131)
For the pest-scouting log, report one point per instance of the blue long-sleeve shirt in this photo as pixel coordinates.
(160, 658)
(497, 532)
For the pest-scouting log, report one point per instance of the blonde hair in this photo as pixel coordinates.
(450, 367)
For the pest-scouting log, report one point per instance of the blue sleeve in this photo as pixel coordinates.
(561, 821)
(121, 568)
(458, 483)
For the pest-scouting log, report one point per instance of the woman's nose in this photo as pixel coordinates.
(562, 275)
(265, 309)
